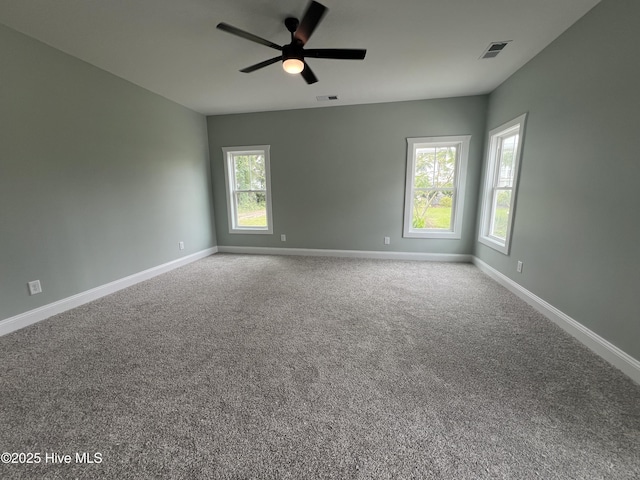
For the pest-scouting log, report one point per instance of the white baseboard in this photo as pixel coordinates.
(22, 320)
(317, 252)
(605, 349)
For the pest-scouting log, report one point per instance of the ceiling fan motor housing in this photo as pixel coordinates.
(293, 50)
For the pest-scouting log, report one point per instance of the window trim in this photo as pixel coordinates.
(491, 166)
(228, 153)
(462, 143)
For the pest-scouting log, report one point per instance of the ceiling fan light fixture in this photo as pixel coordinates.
(293, 65)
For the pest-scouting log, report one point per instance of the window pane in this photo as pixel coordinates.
(507, 155)
(257, 172)
(424, 173)
(435, 167)
(432, 209)
(242, 167)
(500, 216)
(251, 209)
(446, 157)
(249, 172)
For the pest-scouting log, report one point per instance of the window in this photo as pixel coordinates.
(434, 192)
(501, 178)
(248, 189)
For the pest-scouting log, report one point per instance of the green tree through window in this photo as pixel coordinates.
(433, 187)
(250, 190)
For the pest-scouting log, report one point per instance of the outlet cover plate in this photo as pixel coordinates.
(35, 287)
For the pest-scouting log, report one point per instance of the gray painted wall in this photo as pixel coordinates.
(576, 226)
(99, 179)
(338, 173)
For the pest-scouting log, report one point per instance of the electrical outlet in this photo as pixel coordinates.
(519, 267)
(283, 238)
(35, 287)
(387, 240)
(181, 245)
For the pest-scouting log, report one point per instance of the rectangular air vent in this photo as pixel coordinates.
(327, 98)
(494, 49)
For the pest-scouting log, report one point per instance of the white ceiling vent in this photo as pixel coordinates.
(494, 49)
(327, 98)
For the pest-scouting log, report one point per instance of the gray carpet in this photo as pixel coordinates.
(292, 367)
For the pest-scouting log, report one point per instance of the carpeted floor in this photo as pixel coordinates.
(299, 367)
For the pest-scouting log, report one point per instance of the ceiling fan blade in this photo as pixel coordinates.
(313, 15)
(308, 74)
(260, 65)
(336, 53)
(246, 35)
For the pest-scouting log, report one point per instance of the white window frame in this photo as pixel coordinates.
(229, 177)
(492, 160)
(461, 142)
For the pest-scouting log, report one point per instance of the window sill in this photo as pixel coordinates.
(494, 244)
(432, 234)
(252, 231)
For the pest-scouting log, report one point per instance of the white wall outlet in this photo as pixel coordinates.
(283, 238)
(35, 287)
(519, 267)
(387, 240)
(181, 245)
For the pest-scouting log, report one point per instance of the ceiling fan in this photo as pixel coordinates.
(294, 53)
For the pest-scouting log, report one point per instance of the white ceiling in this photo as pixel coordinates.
(416, 49)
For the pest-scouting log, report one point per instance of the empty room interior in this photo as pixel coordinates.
(373, 240)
